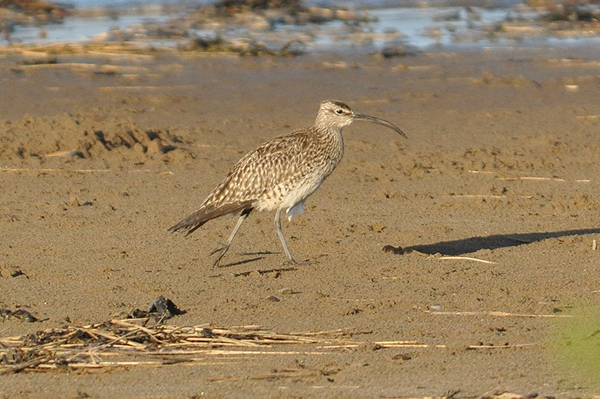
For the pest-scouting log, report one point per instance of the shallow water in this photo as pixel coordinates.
(75, 29)
(418, 28)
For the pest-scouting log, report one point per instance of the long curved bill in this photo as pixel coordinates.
(372, 119)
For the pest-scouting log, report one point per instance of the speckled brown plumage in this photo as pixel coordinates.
(281, 173)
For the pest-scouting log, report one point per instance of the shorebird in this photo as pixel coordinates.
(280, 174)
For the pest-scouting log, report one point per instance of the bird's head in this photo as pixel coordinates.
(336, 115)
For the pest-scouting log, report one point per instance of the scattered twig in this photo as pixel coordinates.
(52, 170)
(48, 170)
(335, 386)
(472, 347)
(485, 196)
(535, 178)
(465, 258)
(403, 344)
(474, 196)
(498, 314)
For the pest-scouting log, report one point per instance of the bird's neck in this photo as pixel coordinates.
(329, 133)
(331, 138)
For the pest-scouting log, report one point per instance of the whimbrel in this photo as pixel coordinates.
(280, 174)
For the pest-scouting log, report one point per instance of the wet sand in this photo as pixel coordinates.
(493, 199)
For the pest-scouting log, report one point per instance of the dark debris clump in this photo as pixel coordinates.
(160, 309)
(20, 314)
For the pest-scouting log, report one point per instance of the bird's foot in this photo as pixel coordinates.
(293, 262)
(221, 250)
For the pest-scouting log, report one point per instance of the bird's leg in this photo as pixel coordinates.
(289, 259)
(222, 249)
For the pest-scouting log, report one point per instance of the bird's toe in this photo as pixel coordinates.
(293, 262)
(220, 251)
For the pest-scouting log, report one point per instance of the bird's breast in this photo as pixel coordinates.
(298, 174)
(287, 196)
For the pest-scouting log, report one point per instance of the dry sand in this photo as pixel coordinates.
(501, 165)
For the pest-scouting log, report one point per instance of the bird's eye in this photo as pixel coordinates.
(339, 111)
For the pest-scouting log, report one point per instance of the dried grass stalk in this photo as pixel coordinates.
(130, 342)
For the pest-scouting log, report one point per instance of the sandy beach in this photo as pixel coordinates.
(490, 281)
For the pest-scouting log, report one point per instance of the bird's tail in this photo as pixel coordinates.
(204, 214)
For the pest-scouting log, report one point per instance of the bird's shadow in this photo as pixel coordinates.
(258, 256)
(255, 257)
(474, 244)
